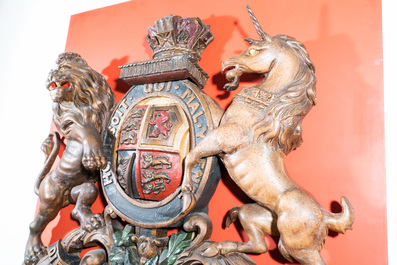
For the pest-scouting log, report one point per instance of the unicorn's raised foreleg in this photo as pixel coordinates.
(207, 147)
(218, 141)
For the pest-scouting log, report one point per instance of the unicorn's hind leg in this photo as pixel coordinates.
(256, 221)
(309, 257)
(303, 256)
(301, 226)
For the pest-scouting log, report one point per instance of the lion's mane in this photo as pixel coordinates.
(93, 99)
(281, 127)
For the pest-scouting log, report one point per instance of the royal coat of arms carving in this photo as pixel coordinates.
(158, 121)
(156, 155)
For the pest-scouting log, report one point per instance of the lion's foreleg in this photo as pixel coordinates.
(93, 155)
(84, 196)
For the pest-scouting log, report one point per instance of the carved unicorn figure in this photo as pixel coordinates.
(257, 131)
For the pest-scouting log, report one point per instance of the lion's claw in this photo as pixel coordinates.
(93, 222)
(33, 254)
(94, 162)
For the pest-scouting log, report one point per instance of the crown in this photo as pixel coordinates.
(173, 36)
(177, 44)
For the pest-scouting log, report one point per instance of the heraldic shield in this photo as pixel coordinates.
(150, 133)
(155, 125)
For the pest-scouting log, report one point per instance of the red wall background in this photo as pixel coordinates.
(343, 149)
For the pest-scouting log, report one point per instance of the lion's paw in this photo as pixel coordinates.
(33, 254)
(94, 162)
(93, 222)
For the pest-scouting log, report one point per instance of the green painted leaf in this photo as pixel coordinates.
(129, 259)
(190, 236)
(127, 242)
(171, 241)
(134, 254)
(117, 238)
(178, 239)
(152, 261)
(177, 243)
(181, 247)
(171, 260)
(117, 255)
(117, 259)
(117, 250)
(163, 256)
(127, 231)
(164, 262)
(117, 234)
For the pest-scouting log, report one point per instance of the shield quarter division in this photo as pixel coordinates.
(149, 167)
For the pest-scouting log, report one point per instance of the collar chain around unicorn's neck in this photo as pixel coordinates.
(254, 98)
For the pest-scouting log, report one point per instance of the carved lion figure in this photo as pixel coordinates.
(161, 123)
(82, 104)
(150, 176)
(157, 162)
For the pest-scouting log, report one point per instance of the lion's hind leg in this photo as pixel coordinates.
(51, 202)
(35, 249)
(84, 196)
(256, 221)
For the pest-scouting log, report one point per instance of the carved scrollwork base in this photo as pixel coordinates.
(202, 225)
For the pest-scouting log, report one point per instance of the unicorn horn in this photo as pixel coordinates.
(262, 34)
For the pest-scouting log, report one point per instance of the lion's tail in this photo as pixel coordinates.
(49, 161)
(340, 222)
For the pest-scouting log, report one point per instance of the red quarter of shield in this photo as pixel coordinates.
(157, 174)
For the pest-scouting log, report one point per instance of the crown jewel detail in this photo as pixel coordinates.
(173, 36)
